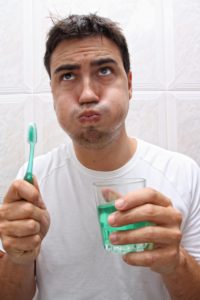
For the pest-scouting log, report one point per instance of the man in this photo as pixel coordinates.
(88, 63)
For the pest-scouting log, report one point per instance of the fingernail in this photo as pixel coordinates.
(41, 203)
(119, 203)
(111, 219)
(113, 237)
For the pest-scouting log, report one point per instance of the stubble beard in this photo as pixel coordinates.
(92, 138)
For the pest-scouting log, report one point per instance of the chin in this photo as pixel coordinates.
(94, 139)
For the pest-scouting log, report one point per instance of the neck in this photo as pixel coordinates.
(109, 158)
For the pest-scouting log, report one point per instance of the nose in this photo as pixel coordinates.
(89, 92)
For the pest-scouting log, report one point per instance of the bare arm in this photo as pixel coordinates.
(24, 221)
(184, 283)
(16, 281)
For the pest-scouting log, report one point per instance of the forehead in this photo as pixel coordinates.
(85, 49)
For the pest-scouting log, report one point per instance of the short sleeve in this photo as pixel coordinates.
(191, 232)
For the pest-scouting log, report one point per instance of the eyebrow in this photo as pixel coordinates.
(102, 61)
(72, 67)
(67, 67)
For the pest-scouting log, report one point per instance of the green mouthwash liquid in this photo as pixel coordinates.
(104, 210)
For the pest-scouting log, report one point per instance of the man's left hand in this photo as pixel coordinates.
(149, 205)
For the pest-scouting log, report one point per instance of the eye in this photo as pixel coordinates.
(68, 76)
(105, 71)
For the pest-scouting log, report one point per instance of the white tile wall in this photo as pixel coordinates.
(147, 110)
(164, 41)
(49, 132)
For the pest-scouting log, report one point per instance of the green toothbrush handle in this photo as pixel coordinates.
(29, 177)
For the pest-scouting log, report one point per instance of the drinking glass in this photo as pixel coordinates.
(105, 194)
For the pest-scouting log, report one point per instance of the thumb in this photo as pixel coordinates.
(41, 203)
(110, 195)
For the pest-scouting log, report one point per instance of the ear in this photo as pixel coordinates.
(130, 84)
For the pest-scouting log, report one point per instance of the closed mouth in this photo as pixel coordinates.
(89, 116)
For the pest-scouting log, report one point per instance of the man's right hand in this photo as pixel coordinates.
(24, 222)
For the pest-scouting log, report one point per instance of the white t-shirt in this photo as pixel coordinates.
(72, 264)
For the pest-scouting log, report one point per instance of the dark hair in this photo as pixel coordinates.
(81, 26)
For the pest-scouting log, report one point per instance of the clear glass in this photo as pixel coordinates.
(105, 194)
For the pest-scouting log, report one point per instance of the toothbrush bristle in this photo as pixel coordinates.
(32, 133)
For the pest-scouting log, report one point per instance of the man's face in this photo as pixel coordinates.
(91, 90)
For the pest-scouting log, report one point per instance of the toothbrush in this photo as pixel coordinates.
(32, 139)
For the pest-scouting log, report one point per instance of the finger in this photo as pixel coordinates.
(110, 195)
(1, 254)
(20, 189)
(150, 234)
(20, 228)
(41, 203)
(160, 260)
(20, 210)
(11, 244)
(141, 197)
(166, 216)
(35, 182)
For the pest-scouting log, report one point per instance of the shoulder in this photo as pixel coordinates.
(174, 167)
(163, 158)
